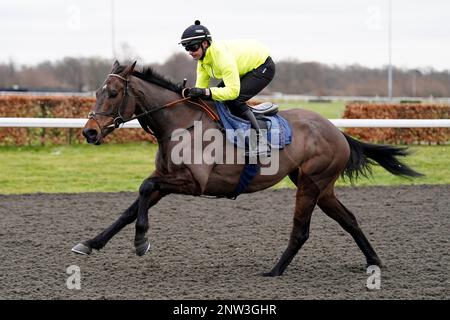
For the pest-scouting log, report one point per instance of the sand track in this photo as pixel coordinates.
(215, 249)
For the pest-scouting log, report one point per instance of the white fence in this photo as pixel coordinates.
(341, 123)
(375, 99)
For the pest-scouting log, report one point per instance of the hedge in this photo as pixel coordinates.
(54, 107)
(79, 107)
(399, 111)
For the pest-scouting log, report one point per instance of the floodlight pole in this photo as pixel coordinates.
(390, 52)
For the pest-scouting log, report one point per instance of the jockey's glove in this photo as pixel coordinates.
(195, 92)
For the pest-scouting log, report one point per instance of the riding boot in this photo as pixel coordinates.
(262, 146)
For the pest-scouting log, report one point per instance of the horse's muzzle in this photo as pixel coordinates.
(92, 136)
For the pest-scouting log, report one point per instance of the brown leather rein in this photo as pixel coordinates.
(118, 118)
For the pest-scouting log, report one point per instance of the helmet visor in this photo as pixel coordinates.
(192, 47)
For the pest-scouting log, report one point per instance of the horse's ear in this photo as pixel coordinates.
(128, 70)
(115, 65)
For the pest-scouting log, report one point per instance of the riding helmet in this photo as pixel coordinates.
(195, 33)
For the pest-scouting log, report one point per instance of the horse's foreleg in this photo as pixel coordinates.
(336, 210)
(306, 199)
(149, 195)
(102, 238)
(151, 191)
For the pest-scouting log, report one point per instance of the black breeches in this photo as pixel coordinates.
(251, 84)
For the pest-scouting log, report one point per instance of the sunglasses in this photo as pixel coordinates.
(192, 47)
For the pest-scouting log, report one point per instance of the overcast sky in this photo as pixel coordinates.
(333, 32)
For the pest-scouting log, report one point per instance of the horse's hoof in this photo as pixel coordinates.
(270, 274)
(81, 248)
(142, 248)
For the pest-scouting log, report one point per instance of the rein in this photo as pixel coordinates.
(119, 119)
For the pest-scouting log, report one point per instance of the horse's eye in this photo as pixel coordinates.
(112, 93)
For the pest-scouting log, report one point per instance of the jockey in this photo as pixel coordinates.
(244, 66)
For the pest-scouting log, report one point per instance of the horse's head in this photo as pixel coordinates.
(113, 106)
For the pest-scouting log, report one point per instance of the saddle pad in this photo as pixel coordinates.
(279, 132)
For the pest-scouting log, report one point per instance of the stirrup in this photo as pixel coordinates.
(261, 149)
(266, 151)
(258, 153)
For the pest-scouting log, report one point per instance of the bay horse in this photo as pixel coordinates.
(317, 156)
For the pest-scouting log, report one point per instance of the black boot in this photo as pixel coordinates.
(260, 139)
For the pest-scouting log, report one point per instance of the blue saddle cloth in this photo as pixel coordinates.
(279, 132)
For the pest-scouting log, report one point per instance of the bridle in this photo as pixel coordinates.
(118, 118)
(115, 113)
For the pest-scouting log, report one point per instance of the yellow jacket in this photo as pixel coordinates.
(229, 60)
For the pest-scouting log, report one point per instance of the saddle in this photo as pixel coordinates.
(263, 110)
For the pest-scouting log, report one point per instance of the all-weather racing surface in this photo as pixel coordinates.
(217, 249)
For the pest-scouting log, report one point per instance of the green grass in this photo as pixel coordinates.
(432, 161)
(330, 110)
(122, 167)
(75, 168)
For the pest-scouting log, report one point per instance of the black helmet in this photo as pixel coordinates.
(195, 33)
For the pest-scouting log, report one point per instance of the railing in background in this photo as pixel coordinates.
(306, 98)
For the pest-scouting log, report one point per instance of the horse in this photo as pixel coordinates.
(317, 156)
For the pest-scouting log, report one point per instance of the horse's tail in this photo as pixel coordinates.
(364, 155)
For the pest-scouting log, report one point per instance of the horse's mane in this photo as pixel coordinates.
(148, 74)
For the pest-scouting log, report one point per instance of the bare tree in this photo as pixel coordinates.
(292, 76)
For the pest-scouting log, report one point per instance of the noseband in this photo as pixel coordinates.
(118, 119)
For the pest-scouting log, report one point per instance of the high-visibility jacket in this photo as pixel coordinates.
(229, 60)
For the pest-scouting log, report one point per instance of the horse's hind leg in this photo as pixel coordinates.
(306, 199)
(336, 210)
(127, 217)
